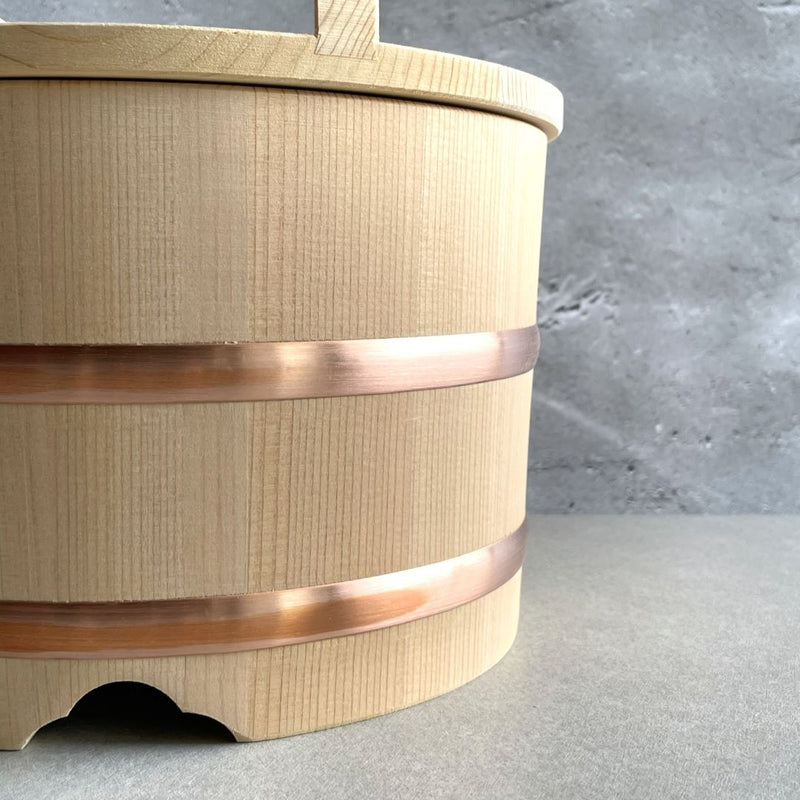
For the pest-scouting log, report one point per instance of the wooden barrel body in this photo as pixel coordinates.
(150, 213)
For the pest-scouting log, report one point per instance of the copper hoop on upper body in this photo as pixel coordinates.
(207, 373)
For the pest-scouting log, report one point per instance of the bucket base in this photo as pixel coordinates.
(266, 694)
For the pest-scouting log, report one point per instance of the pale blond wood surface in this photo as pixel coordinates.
(35, 50)
(347, 28)
(147, 502)
(156, 212)
(150, 212)
(282, 691)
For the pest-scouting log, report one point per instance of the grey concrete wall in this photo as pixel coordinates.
(670, 296)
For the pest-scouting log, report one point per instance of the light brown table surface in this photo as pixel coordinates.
(657, 657)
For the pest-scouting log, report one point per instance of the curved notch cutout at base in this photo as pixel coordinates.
(125, 711)
(281, 691)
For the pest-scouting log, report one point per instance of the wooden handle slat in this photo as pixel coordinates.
(347, 28)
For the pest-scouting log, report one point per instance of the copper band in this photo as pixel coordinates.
(208, 373)
(231, 623)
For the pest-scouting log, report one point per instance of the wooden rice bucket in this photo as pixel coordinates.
(267, 330)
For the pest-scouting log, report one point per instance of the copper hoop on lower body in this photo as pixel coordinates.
(232, 623)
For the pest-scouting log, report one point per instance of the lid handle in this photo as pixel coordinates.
(347, 28)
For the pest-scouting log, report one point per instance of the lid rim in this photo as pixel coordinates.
(263, 58)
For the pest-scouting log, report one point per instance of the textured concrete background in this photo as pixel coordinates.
(670, 297)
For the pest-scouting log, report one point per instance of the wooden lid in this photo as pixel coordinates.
(344, 55)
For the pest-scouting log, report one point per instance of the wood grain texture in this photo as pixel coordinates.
(347, 28)
(152, 212)
(287, 690)
(406, 218)
(149, 502)
(153, 52)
